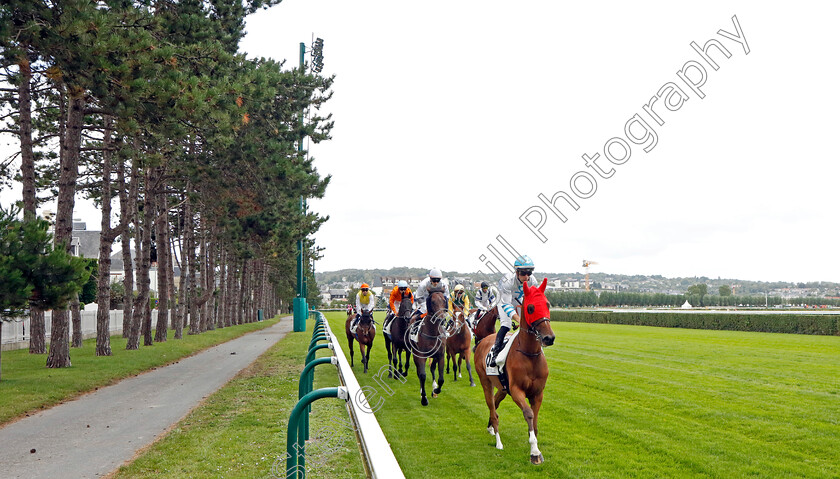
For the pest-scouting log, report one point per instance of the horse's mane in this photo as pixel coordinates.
(437, 289)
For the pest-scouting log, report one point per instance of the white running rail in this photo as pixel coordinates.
(379, 458)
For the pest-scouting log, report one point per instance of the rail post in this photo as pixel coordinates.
(307, 379)
(295, 446)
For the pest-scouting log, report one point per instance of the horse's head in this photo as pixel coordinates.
(437, 298)
(536, 314)
(405, 306)
(365, 321)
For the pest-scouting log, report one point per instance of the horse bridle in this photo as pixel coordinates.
(532, 329)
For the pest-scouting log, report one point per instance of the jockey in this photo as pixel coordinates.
(512, 294)
(365, 301)
(459, 299)
(485, 297)
(434, 280)
(400, 291)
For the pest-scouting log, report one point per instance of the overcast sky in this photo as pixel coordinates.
(452, 117)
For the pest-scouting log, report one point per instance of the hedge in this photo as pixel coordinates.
(767, 323)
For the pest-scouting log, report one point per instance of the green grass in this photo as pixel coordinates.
(636, 401)
(28, 385)
(240, 431)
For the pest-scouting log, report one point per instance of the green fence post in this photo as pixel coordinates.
(295, 448)
(307, 379)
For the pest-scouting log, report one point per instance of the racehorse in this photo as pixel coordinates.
(431, 342)
(365, 333)
(486, 325)
(526, 366)
(458, 346)
(396, 342)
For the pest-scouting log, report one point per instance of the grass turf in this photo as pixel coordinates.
(240, 431)
(635, 401)
(28, 385)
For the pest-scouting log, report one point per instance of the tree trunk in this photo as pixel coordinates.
(189, 233)
(230, 290)
(59, 355)
(127, 210)
(75, 309)
(220, 311)
(170, 271)
(162, 245)
(183, 285)
(148, 224)
(106, 240)
(240, 312)
(37, 334)
(142, 315)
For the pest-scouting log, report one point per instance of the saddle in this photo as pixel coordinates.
(500, 369)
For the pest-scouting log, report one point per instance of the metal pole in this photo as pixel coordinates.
(295, 448)
(301, 310)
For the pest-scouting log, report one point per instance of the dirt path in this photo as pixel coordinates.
(95, 434)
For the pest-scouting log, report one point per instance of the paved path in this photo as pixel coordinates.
(95, 434)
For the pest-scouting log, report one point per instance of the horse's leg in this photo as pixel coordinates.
(434, 364)
(460, 362)
(447, 359)
(367, 357)
(519, 398)
(440, 377)
(393, 356)
(350, 342)
(388, 349)
(362, 349)
(467, 355)
(407, 360)
(536, 403)
(421, 375)
(493, 422)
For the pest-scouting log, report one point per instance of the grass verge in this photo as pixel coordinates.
(240, 431)
(635, 401)
(28, 385)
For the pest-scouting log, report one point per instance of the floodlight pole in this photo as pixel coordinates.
(301, 310)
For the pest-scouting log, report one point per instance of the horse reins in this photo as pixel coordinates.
(532, 329)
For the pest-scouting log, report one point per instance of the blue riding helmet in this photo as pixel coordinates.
(523, 262)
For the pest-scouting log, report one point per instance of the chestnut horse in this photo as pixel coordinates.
(431, 342)
(395, 344)
(365, 333)
(486, 325)
(526, 366)
(458, 346)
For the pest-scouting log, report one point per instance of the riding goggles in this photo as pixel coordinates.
(525, 272)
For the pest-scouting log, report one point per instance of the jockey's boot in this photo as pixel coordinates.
(500, 339)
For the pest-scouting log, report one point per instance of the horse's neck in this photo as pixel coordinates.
(528, 341)
(488, 321)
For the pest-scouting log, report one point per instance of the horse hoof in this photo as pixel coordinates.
(490, 430)
(537, 459)
(424, 401)
(436, 391)
(434, 394)
(472, 385)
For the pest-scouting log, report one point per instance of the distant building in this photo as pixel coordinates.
(388, 282)
(84, 243)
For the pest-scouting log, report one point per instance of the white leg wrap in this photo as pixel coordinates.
(499, 441)
(434, 384)
(532, 438)
(491, 431)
